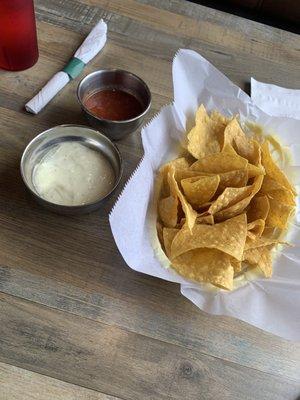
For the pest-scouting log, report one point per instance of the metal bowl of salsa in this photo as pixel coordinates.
(114, 101)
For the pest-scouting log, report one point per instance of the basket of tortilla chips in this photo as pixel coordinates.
(224, 206)
(212, 204)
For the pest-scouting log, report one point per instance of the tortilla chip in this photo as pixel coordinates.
(260, 257)
(256, 227)
(201, 219)
(252, 256)
(237, 266)
(277, 191)
(190, 214)
(283, 196)
(220, 163)
(259, 208)
(220, 119)
(245, 147)
(159, 229)
(168, 236)
(270, 184)
(180, 163)
(234, 200)
(205, 219)
(188, 173)
(265, 262)
(206, 265)
(273, 170)
(232, 211)
(168, 211)
(229, 197)
(254, 171)
(228, 236)
(234, 135)
(204, 137)
(260, 242)
(255, 157)
(279, 214)
(237, 178)
(200, 190)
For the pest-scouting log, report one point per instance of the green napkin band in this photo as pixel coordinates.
(74, 67)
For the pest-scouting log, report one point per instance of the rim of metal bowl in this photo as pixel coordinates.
(63, 206)
(123, 121)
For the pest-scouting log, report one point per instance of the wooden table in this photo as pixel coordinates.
(75, 321)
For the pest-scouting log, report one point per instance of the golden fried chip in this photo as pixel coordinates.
(219, 163)
(190, 214)
(272, 170)
(255, 156)
(205, 219)
(234, 200)
(260, 257)
(235, 136)
(188, 173)
(256, 227)
(265, 262)
(201, 115)
(159, 229)
(168, 236)
(260, 242)
(220, 119)
(206, 265)
(200, 190)
(234, 208)
(277, 191)
(270, 184)
(259, 208)
(279, 214)
(245, 147)
(179, 163)
(237, 178)
(228, 236)
(237, 266)
(168, 211)
(283, 196)
(251, 256)
(201, 219)
(232, 211)
(204, 137)
(229, 197)
(161, 185)
(254, 171)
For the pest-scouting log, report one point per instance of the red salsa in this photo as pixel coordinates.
(113, 104)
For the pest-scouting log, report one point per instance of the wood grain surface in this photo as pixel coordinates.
(75, 321)
(18, 383)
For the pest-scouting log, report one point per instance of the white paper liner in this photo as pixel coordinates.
(276, 100)
(270, 304)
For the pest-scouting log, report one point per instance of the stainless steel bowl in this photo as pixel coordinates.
(42, 143)
(114, 79)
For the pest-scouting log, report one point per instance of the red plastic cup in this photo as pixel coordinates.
(18, 40)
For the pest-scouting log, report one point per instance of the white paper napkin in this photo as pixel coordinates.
(276, 100)
(90, 47)
(270, 304)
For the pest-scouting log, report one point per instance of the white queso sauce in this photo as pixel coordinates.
(73, 174)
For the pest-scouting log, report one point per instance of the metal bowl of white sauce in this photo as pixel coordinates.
(71, 169)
